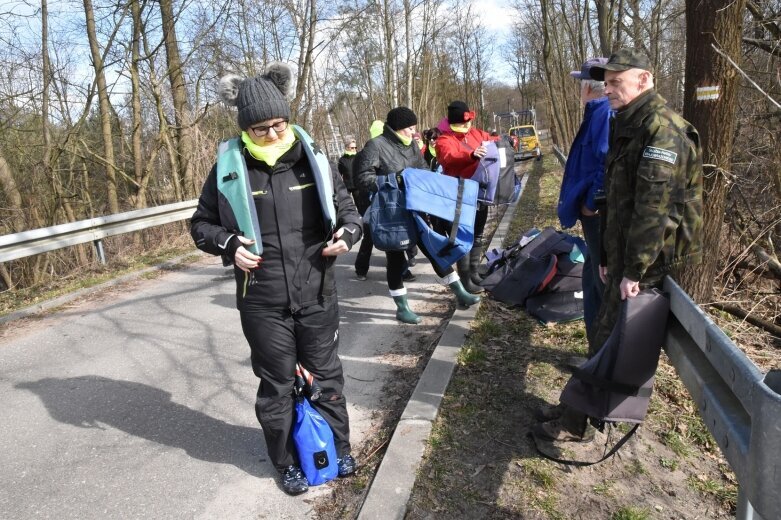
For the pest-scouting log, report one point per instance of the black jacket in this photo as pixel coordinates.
(346, 171)
(293, 273)
(383, 155)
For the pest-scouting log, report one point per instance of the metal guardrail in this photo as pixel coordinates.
(559, 155)
(36, 241)
(739, 405)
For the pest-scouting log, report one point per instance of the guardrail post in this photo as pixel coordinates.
(764, 489)
(744, 510)
(99, 250)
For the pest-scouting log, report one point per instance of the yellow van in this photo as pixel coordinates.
(527, 144)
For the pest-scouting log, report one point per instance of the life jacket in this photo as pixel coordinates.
(450, 198)
(527, 267)
(615, 384)
(233, 182)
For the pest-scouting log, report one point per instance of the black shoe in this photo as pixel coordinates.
(411, 261)
(407, 276)
(573, 362)
(293, 481)
(360, 276)
(346, 465)
(549, 412)
(555, 431)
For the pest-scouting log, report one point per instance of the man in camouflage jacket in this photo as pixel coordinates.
(652, 223)
(653, 182)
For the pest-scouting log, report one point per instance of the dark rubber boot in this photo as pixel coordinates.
(462, 266)
(403, 313)
(475, 255)
(464, 298)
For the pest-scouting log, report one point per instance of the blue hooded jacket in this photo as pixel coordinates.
(585, 169)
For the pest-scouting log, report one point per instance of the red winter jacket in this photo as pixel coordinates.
(454, 150)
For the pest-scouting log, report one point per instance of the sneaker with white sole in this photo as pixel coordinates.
(346, 465)
(293, 481)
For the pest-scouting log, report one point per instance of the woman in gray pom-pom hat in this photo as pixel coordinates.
(272, 207)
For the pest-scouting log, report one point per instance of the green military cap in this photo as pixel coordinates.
(623, 59)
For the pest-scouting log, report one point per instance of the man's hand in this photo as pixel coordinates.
(603, 273)
(337, 246)
(629, 288)
(586, 212)
(244, 259)
(480, 152)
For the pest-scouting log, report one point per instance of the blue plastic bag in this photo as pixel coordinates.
(315, 444)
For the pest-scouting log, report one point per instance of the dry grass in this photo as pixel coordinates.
(481, 465)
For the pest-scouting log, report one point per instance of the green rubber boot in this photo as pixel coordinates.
(464, 298)
(403, 313)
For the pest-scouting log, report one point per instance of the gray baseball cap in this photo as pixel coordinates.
(623, 59)
(585, 69)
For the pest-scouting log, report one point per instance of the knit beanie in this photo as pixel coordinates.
(458, 112)
(376, 128)
(400, 118)
(260, 98)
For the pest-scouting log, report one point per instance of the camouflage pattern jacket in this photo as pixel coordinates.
(653, 181)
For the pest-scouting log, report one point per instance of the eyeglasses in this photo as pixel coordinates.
(278, 127)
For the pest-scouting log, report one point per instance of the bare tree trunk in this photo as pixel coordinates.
(409, 52)
(559, 126)
(105, 109)
(391, 83)
(182, 109)
(720, 23)
(136, 134)
(15, 204)
(605, 27)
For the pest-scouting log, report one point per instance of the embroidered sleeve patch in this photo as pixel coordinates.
(660, 154)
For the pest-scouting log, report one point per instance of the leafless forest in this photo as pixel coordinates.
(107, 107)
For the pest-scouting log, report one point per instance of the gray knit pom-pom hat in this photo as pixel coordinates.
(260, 98)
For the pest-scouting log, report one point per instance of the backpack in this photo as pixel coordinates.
(392, 227)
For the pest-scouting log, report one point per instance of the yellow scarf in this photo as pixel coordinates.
(269, 153)
(459, 129)
(432, 150)
(406, 141)
(349, 152)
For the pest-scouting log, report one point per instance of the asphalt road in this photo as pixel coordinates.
(138, 403)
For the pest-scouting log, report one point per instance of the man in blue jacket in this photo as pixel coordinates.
(582, 182)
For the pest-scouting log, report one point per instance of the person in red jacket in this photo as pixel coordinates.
(459, 149)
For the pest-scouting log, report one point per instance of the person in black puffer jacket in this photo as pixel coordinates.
(285, 287)
(391, 152)
(346, 164)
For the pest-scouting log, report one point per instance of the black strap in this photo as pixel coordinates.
(580, 463)
(610, 386)
(451, 240)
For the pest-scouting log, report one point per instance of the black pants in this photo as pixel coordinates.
(481, 217)
(397, 264)
(279, 339)
(364, 255)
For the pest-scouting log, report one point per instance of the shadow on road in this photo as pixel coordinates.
(147, 412)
